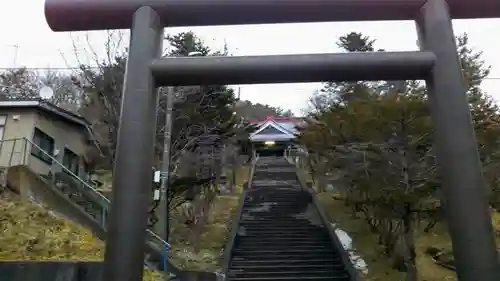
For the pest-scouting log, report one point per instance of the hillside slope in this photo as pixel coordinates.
(31, 232)
(380, 268)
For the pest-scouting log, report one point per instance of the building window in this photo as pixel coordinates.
(3, 121)
(71, 161)
(45, 147)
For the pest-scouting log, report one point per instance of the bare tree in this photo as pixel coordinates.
(19, 83)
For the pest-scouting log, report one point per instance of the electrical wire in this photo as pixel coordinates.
(96, 67)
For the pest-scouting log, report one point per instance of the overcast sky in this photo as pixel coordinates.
(26, 40)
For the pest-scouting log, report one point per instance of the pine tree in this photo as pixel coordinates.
(380, 143)
(485, 115)
(343, 92)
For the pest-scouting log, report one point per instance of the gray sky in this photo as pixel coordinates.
(28, 41)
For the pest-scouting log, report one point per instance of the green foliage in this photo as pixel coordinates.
(186, 42)
(258, 111)
(377, 139)
(103, 91)
(367, 244)
(485, 116)
(205, 252)
(356, 42)
(343, 92)
(197, 110)
(186, 188)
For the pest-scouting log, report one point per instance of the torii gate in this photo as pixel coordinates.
(464, 191)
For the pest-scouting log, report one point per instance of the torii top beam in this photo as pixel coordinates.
(79, 15)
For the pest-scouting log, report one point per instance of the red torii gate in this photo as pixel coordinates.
(464, 192)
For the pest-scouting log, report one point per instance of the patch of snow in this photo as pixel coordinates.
(220, 276)
(246, 217)
(358, 262)
(262, 207)
(330, 188)
(241, 231)
(224, 189)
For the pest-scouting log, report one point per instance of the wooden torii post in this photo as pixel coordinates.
(437, 63)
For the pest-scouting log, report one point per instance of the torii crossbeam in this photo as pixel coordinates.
(464, 192)
(74, 15)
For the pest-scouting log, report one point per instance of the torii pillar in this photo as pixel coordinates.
(464, 192)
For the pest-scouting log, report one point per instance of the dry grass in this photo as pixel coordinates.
(379, 266)
(30, 232)
(106, 178)
(206, 254)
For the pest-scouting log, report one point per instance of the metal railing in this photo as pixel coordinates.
(296, 156)
(68, 182)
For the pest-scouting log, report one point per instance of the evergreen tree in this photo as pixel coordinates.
(343, 92)
(485, 115)
(380, 144)
(198, 110)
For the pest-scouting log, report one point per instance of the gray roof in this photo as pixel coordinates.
(278, 131)
(46, 107)
(53, 110)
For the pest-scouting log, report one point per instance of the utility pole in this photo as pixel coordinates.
(163, 224)
(163, 217)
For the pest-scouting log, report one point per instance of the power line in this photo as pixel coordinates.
(96, 67)
(48, 68)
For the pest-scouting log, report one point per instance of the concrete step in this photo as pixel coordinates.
(278, 239)
(265, 218)
(286, 233)
(258, 203)
(288, 243)
(287, 227)
(291, 254)
(273, 242)
(333, 267)
(283, 247)
(276, 213)
(291, 273)
(239, 262)
(292, 278)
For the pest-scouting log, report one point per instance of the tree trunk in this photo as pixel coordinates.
(233, 179)
(201, 214)
(321, 177)
(409, 238)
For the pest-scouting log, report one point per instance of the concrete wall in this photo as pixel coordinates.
(33, 188)
(19, 124)
(48, 270)
(73, 271)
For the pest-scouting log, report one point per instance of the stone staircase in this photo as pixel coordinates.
(281, 235)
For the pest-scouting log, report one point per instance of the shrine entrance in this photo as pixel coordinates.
(274, 135)
(437, 63)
